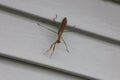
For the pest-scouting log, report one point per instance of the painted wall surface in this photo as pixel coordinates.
(96, 56)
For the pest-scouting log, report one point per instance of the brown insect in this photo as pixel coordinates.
(59, 33)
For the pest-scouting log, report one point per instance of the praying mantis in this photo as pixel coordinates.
(61, 29)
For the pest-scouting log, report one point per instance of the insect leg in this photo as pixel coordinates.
(55, 17)
(46, 28)
(65, 44)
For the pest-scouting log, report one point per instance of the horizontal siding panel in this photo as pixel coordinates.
(94, 46)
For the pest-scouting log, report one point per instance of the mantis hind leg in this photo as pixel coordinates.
(52, 47)
(65, 44)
